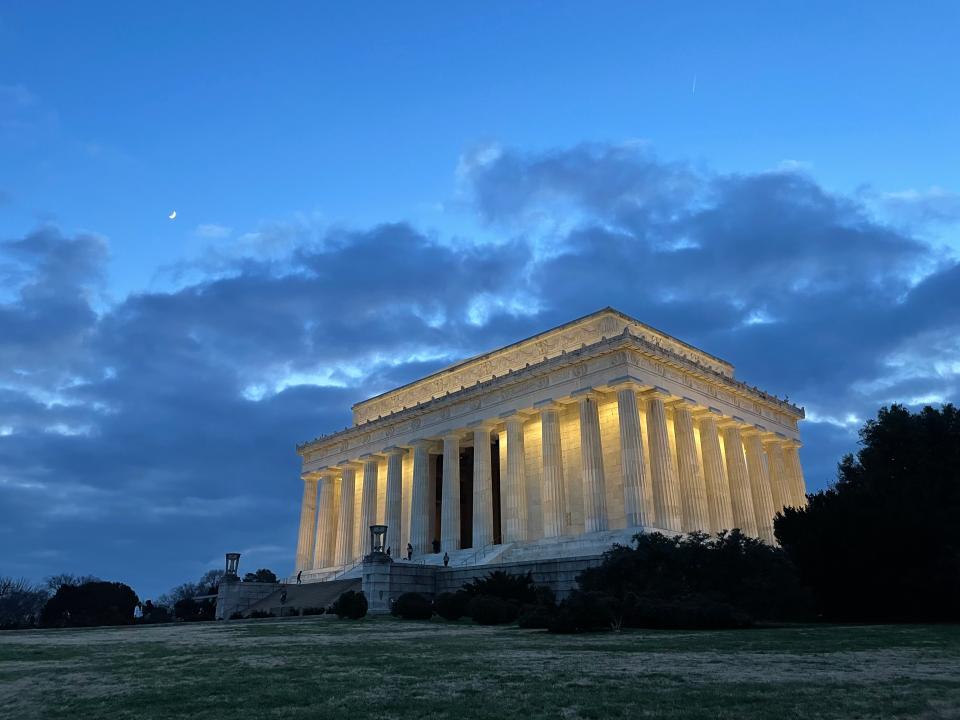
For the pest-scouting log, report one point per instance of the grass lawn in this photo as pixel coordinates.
(386, 668)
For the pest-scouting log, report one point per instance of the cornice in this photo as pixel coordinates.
(624, 341)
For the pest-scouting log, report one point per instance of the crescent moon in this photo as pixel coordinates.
(172, 215)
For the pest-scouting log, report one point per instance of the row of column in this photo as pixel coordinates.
(719, 473)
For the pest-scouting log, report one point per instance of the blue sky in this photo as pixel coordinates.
(367, 192)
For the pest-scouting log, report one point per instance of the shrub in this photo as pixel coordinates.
(313, 611)
(154, 613)
(351, 605)
(516, 588)
(412, 606)
(585, 612)
(691, 613)
(537, 617)
(89, 604)
(260, 614)
(491, 610)
(191, 610)
(236, 615)
(728, 568)
(452, 606)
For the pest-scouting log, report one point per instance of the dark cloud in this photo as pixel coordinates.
(142, 439)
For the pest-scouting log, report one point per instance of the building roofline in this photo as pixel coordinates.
(490, 353)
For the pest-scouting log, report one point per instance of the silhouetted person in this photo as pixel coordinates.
(299, 573)
(446, 559)
(283, 597)
(409, 551)
(436, 546)
(388, 551)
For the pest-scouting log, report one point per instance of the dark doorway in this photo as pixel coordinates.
(438, 495)
(495, 474)
(466, 497)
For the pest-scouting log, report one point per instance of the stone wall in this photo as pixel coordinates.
(385, 581)
(234, 596)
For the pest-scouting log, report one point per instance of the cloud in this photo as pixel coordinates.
(162, 427)
(212, 231)
(934, 205)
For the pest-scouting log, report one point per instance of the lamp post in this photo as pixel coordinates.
(233, 562)
(378, 538)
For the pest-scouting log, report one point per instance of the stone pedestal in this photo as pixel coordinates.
(376, 583)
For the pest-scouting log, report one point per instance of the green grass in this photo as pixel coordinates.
(385, 668)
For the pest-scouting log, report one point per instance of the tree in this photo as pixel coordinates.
(55, 582)
(262, 576)
(210, 582)
(883, 543)
(90, 604)
(20, 603)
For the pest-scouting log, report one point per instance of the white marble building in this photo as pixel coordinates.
(594, 430)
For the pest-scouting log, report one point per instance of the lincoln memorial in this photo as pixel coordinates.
(557, 445)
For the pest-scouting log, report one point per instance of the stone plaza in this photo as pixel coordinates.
(550, 450)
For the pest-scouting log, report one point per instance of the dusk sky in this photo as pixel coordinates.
(366, 192)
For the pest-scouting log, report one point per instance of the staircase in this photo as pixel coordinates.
(587, 545)
(308, 595)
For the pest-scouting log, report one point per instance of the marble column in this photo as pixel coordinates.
(637, 495)
(591, 457)
(759, 484)
(663, 469)
(791, 456)
(693, 487)
(394, 509)
(420, 500)
(306, 538)
(326, 535)
(779, 480)
(513, 486)
(715, 475)
(553, 498)
(741, 501)
(345, 532)
(450, 500)
(482, 488)
(368, 504)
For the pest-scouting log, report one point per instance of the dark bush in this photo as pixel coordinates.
(351, 605)
(151, 614)
(729, 568)
(452, 606)
(537, 617)
(236, 615)
(412, 606)
(692, 613)
(490, 610)
(190, 610)
(313, 611)
(90, 604)
(514, 588)
(586, 612)
(260, 614)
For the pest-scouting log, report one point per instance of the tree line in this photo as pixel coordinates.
(84, 600)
